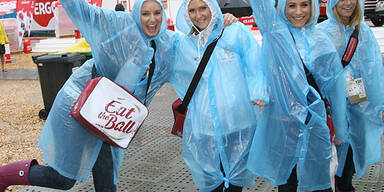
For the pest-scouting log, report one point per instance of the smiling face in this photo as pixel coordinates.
(199, 13)
(298, 12)
(151, 18)
(345, 9)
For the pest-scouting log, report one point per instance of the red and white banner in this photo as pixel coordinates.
(247, 20)
(43, 18)
(24, 15)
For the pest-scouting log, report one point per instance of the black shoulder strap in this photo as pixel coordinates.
(93, 71)
(351, 47)
(196, 78)
(308, 74)
(151, 71)
(311, 79)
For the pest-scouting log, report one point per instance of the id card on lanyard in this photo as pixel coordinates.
(356, 91)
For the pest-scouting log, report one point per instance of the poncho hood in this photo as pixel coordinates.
(136, 14)
(313, 19)
(332, 3)
(213, 30)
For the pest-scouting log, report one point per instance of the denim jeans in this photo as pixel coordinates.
(45, 176)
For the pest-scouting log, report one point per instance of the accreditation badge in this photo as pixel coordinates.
(356, 91)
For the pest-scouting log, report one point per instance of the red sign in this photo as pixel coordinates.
(95, 2)
(249, 20)
(24, 16)
(25, 6)
(43, 12)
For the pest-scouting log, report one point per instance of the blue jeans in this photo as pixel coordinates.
(102, 171)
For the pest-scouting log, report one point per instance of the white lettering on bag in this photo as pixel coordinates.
(114, 111)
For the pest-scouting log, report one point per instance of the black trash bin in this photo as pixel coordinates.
(54, 70)
(88, 55)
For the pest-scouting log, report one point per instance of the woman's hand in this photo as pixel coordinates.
(337, 142)
(229, 19)
(261, 104)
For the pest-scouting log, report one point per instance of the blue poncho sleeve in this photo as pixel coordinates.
(115, 40)
(255, 68)
(267, 14)
(250, 53)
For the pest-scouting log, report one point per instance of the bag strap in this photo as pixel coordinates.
(93, 71)
(308, 74)
(350, 50)
(151, 71)
(196, 78)
(311, 80)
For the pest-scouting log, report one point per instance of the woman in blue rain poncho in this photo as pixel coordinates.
(292, 141)
(122, 52)
(221, 118)
(361, 138)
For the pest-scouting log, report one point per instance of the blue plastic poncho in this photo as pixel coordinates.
(221, 119)
(365, 126)
(283, 139)
(121, 53)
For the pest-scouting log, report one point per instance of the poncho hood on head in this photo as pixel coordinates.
(313, 19)
(184, 23)
(136, 14)
(332, 3)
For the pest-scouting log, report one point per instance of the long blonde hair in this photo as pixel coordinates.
(313, 11)
(356, 17)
